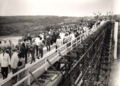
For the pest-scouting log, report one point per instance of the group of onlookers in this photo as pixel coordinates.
(10, 58)
(16, 56)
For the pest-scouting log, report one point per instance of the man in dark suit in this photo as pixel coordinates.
(47, 42)
(25, 50)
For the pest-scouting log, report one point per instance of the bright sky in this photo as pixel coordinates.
(58, 7)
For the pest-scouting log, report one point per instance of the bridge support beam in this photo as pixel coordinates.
(115, 39)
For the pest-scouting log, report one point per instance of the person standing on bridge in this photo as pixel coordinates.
(10, 46)
(5, 63)
(29, 37)
(14, 63)
(72, 35)
(40, 48)
(37, 41)
(59, 42)
(32, 51)
(5, 46)
(47, 42)
(1, 46)
(65, 39)
(25, 50)
(21, 65)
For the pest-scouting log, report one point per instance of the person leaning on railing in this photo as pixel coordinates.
(21, 65)
(59, 42)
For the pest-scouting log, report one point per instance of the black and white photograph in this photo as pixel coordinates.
(59, 42)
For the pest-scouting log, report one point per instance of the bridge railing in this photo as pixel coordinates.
(64, 49)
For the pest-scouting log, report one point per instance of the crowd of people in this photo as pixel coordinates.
(15, 57)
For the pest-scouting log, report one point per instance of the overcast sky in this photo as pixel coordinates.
(58, 7)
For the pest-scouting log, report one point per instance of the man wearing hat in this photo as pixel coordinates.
(14, 63)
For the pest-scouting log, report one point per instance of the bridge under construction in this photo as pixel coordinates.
(85, 61)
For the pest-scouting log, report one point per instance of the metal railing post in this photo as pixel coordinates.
(76, 42)
(58, 53)
(28, 80)
(46, 64)
(71, 44)
(80, 39)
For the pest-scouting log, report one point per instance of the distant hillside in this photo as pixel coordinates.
(21, 25)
